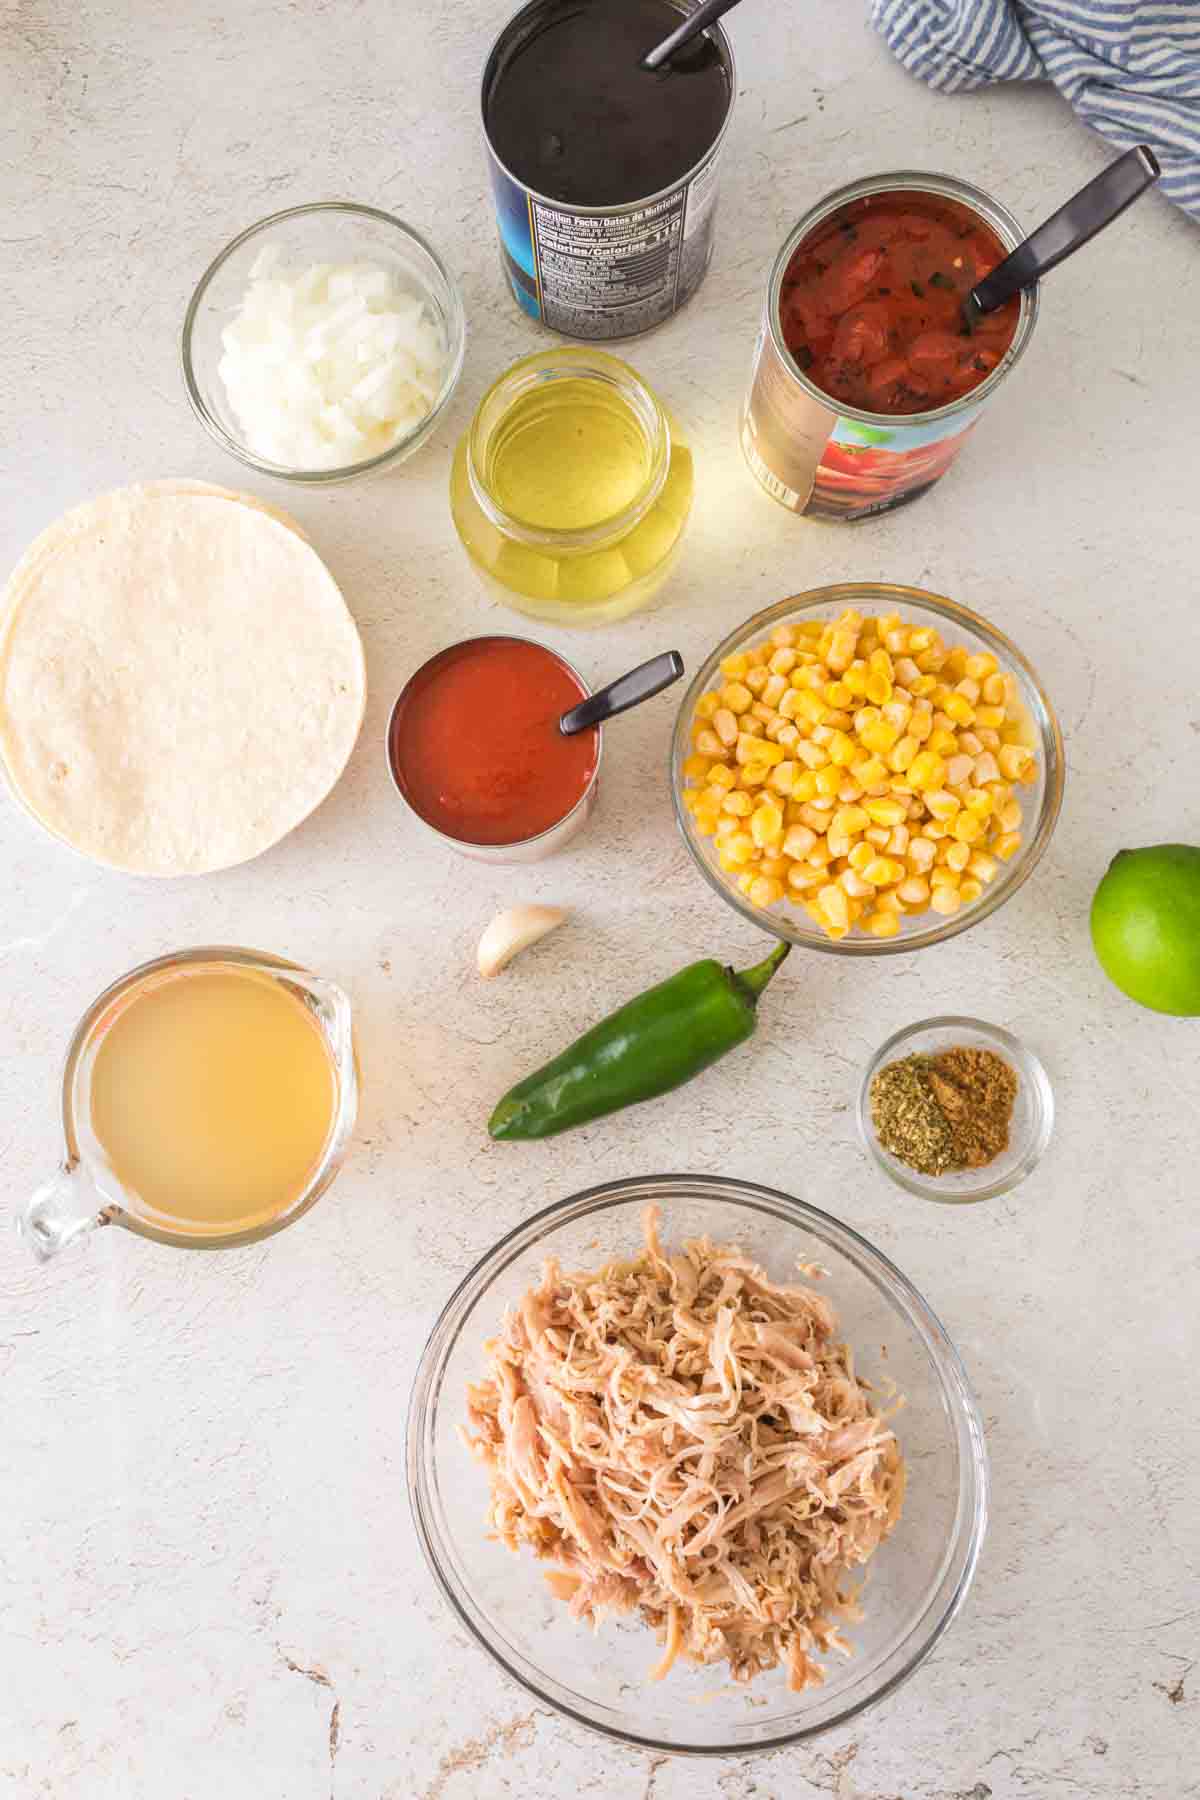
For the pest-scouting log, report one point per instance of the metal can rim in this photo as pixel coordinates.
(951, 187)
(624, 206)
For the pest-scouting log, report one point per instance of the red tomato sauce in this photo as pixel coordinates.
(871, 306)
(475, 745)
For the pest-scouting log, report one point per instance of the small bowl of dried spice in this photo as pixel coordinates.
(954, 1109)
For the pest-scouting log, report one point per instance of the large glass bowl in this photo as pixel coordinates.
(325, 231)
(1040, 803)
(916, 1582)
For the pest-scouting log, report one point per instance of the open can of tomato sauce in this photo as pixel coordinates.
(866, 379)
(604, 174)
(475, 751)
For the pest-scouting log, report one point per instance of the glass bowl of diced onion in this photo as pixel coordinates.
(324, 343)
(886, 880)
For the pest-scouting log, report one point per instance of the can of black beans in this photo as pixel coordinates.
(868, 373)
(604, 174)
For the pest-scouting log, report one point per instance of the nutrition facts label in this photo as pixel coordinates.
(611, 274)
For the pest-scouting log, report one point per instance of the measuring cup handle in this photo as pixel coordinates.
(61, 1210)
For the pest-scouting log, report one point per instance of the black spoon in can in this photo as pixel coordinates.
(1073, 225)
(642, 683)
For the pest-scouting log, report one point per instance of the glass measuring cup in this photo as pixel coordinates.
(87, 1191)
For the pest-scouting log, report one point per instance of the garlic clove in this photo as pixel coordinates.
(513, 931)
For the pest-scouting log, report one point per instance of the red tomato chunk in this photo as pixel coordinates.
(872, 303)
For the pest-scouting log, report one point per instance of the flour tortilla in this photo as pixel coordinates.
(181, 682)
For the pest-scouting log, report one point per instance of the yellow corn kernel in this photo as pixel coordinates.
(921, 686)
(766, 824)
(842, 750)
(897, 713)
(810, 707)
(783, 661)
(850, 820)
(787, 735)
(967, 828)
(736, 697)
(882, 924)
(832, 902)
(933, 828)
(722, 776)
(970, 743)
(706, 822)
(800, 879)
(980, 665)
(855, 680)
(756, 656)
(1028, 775)
(969, 890)
(862, 854)
(942, 877)
(904, 754)
(805, 786)
(746, 881)
(982, 867)
(707, 705)
(852, 883)
(914, 891)
(712, 797)
(968, 689)
(784, 635)
(734, 667)
(758, 750)
(837, 843)
(691, 800)
(849, 793)
(751, 726)
(879, 689)
(987, 770)
(755, 774)
(829, 780)
(756, 680)
(1009, 816)
(869, 771)
(941, 805)
(922, 637)
(725, 724)
(880, 663)
(739, 804)
(798, 841)
(774, 691)
(877, 835)
(921, 854)
(837, 694)
(895, 638)
(884, 812)
(927, 770)
(789, 706)
(1006, 845)
(765, 891)
(709, 744)
(879, 736)
(726, 826)
(782, 778)
(741, 848)
(840, 654)
(1013, 760)
(727, 862)
(958, 854)
(855, 909)
(959, 770)
(979, 802)
(883, 871)
(696, 767)
(990, 717)
(945, 900)
(994, 691)
(888, 900)
(813, 756)
(942, 741)
(819, 857)
(897, 844)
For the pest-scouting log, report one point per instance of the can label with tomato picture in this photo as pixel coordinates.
(825, 458)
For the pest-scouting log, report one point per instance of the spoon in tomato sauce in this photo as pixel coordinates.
(642, 683)
(1069, 229)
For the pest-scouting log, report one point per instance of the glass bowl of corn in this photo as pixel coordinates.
(866, 768)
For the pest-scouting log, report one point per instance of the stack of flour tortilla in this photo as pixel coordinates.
(181, 681)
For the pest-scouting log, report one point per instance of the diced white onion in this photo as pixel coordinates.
(329, 365)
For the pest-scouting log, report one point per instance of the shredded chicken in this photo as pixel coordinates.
(682, 1437)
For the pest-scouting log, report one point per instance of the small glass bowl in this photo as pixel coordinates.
(519, 850)
(1032, 1120)
(1040, 804)
(325, 231)
(915, 1584)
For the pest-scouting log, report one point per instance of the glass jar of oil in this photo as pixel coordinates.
(571, 489)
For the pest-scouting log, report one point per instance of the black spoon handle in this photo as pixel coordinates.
(692, 26)
(1072, 226)
(648, 679)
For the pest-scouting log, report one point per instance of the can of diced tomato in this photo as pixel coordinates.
(825, 454)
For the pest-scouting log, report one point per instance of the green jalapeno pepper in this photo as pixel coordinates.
(650, 1045)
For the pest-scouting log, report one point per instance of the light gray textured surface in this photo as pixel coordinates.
(210, 1584)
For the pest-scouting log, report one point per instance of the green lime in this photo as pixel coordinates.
(1146, 926)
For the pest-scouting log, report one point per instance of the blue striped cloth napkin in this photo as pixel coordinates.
(1130, 68)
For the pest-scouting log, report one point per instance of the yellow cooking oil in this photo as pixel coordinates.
(571, 490)
(213, 1094)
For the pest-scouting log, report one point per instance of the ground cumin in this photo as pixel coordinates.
(976, 1090)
